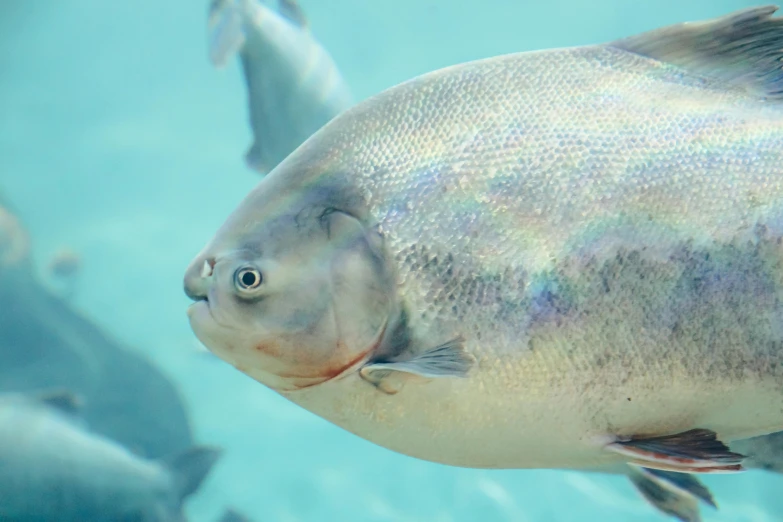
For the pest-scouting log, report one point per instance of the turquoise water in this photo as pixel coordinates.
(119, 140)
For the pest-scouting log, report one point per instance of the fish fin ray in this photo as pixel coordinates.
(292, 11)
(743, 48)
(669, 500)
(225, 31)
(449, 359)
(693, 451)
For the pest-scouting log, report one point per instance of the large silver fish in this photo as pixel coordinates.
(53, 469)
(293, 84)
(568, 258)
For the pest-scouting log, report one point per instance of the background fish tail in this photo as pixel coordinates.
(226, 34)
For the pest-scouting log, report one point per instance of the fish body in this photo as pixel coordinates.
(47, 343)
(568, 258)
(293, 84)
(55, 469)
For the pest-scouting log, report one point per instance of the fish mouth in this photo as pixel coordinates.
(205, 326)
(199, 289)
(204, 317)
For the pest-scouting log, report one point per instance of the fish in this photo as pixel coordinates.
(567, 258)
(46, 342)
(293, 84)
(54, 468)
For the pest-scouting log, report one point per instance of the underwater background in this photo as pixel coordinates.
(120, 141)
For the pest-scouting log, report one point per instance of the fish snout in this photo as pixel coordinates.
(198, 278)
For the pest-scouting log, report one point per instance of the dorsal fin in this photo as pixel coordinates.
(292, 12)
(743, 48)
(64, 400)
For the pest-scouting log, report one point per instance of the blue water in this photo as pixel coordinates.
(120, 141)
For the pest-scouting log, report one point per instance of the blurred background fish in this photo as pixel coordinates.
(65, 459)
(47, 343)
(293, 85)
(64, 268)
(65, 263)
(55, 469)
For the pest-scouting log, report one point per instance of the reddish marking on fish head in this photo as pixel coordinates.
(269, 348)
(337, 366)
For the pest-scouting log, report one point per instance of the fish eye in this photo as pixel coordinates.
(248, 278)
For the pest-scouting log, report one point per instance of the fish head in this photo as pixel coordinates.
(293, 290)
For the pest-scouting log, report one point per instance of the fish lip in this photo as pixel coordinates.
(203, 323)
(205, 302)
(197, 304)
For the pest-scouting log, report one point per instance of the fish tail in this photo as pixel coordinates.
(189, 468)
(226, 31)
(256, 158)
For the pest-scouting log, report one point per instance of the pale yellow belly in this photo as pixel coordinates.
(497, 420)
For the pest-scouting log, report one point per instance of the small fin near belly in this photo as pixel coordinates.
(669, 494)
(680, 483)
(693, 451)
(446, 360)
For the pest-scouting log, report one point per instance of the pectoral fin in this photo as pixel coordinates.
(447, 360)
(693, 451)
